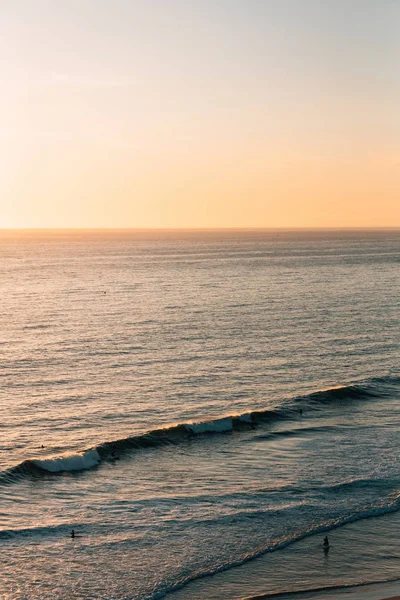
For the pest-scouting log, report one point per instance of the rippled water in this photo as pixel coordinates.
(204, 400)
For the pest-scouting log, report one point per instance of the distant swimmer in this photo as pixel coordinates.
(74, 535)
(326, 542)
(301, 412)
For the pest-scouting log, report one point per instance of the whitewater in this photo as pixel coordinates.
(201, 408)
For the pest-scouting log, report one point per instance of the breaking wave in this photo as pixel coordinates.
(71, 462)
(182, 432)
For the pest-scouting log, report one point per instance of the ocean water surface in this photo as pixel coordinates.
(202, 408)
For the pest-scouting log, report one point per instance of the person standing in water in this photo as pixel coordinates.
(326, 542)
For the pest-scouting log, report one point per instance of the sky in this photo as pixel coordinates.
(199, 113)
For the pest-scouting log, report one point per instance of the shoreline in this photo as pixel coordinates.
(300, 571)
(370, 591)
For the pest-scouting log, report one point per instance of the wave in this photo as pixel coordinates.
(339, 393)
(182, 432)
(58, 464)
(71, 462)
(296, 431)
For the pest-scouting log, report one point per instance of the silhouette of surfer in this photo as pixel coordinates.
(74, 535)
(301, 411)
(113, 455)
(326, 545)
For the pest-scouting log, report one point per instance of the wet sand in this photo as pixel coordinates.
(380, 591)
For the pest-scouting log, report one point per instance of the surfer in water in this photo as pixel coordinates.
(113, 453)
(325, 545)
(74, 535)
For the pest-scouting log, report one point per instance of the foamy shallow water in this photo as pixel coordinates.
(165, 378)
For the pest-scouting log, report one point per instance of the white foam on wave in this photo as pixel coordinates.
(70, 462)
(217, 426)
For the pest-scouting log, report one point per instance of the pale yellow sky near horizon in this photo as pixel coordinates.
(173, 113)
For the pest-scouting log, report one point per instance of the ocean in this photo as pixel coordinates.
(202, 408)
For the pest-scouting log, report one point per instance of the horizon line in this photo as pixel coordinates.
(222, 228)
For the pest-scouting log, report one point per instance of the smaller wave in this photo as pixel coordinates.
(375, 387)
(296, 431)
(37, 326)
(360, 483)
(346, 392)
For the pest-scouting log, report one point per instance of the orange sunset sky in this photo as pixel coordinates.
(189, 113)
